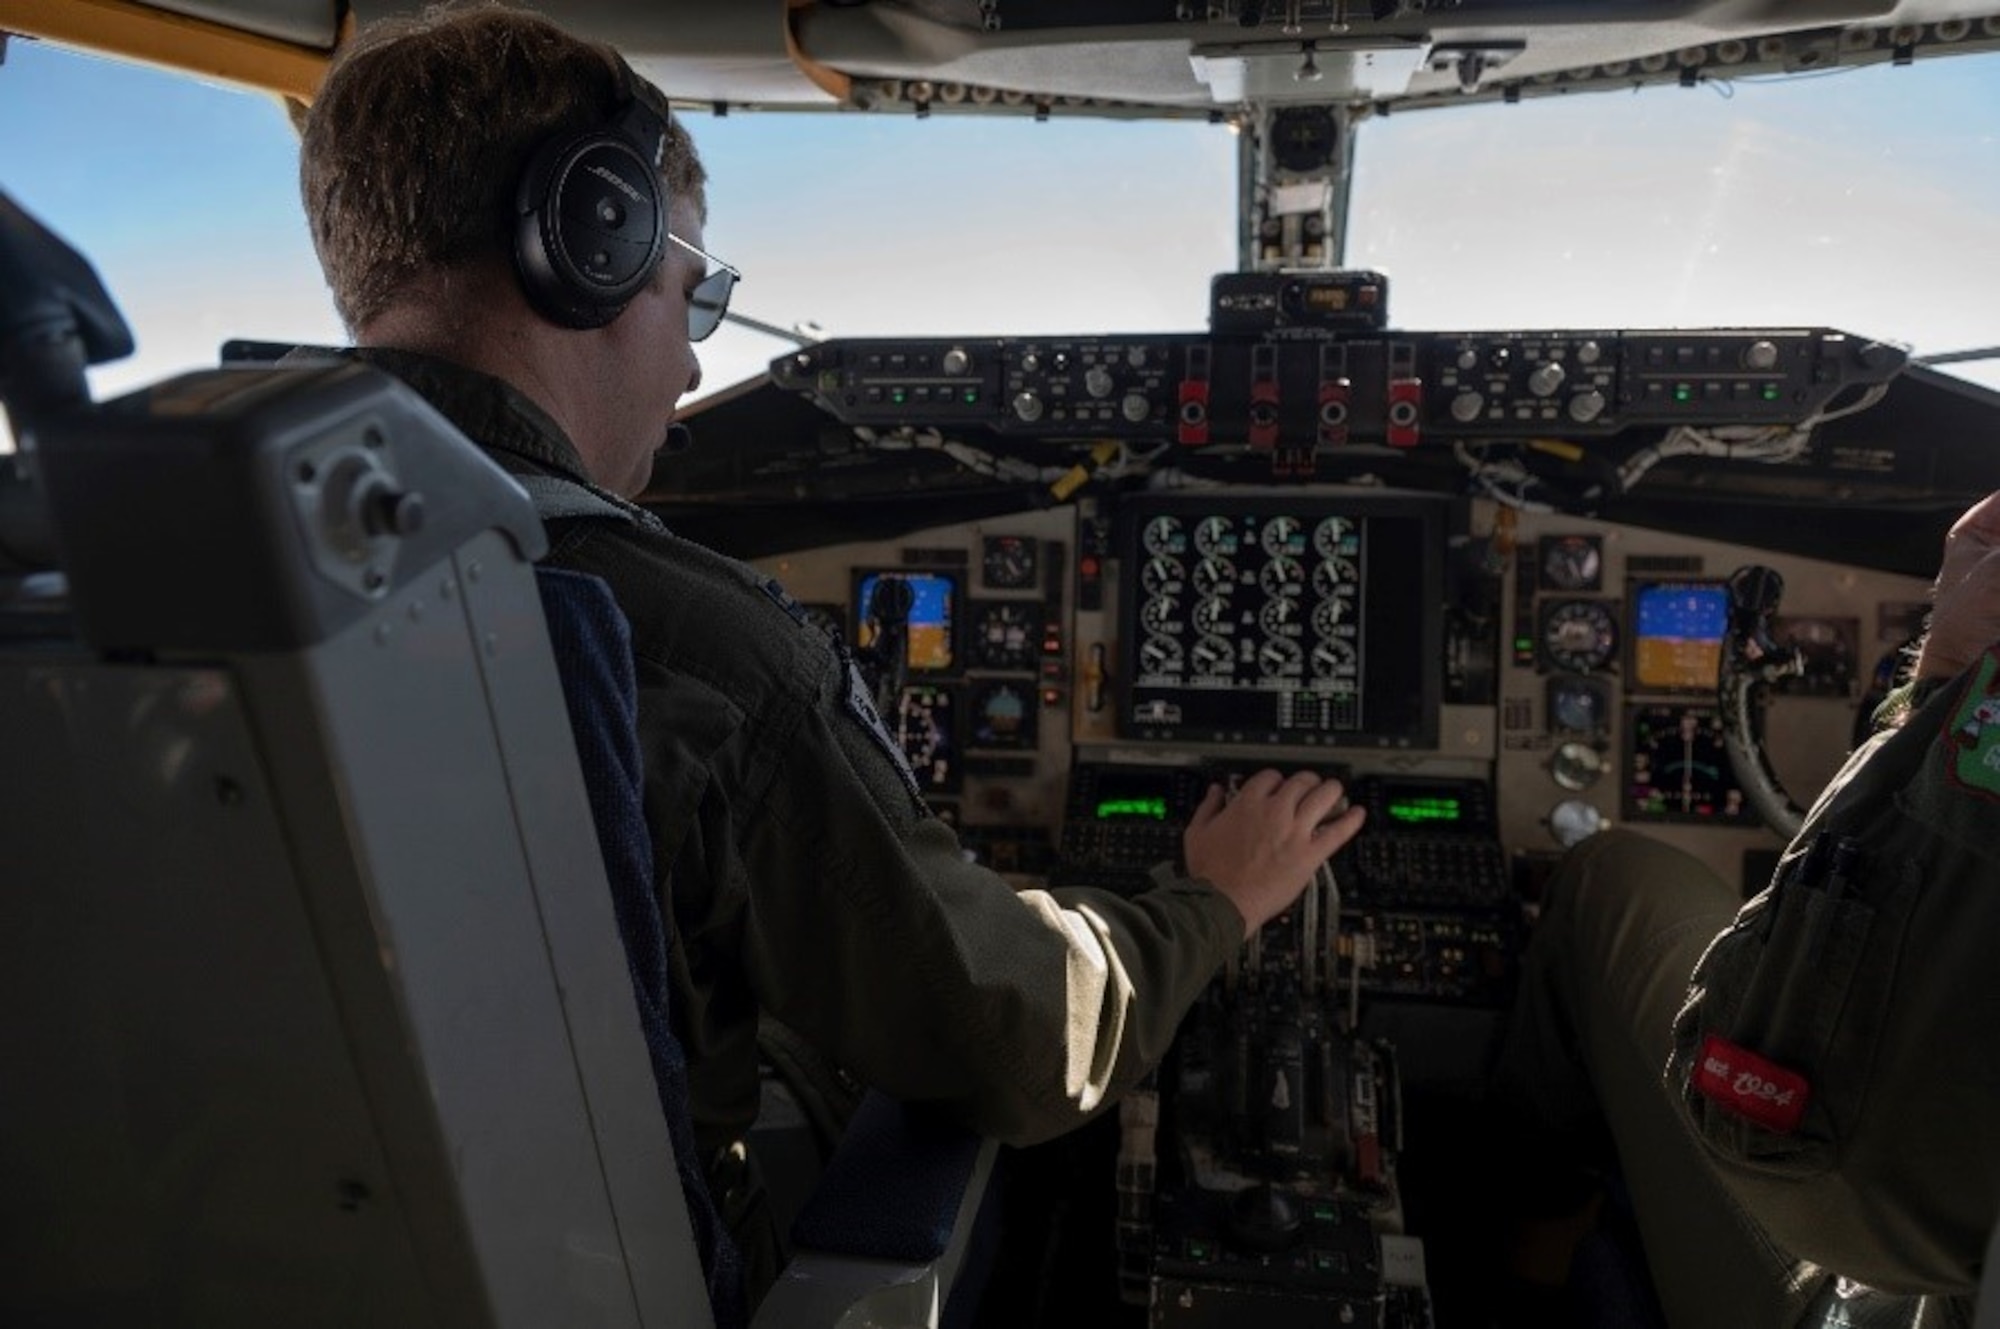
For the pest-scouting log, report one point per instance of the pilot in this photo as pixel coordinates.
(442, 165)
(1755, 1183)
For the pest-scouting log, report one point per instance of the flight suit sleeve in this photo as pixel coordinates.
(929, 976)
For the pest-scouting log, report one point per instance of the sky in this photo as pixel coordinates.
(1866, 199)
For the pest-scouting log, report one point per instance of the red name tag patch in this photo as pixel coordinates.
(1750, 1086)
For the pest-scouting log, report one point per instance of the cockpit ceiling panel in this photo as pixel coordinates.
(712, 51)
(310, 23)
(1139, 51)
(1187, 57)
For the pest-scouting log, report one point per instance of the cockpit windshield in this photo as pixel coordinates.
(1862, 198)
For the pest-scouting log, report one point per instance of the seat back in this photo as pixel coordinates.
(312, 1003)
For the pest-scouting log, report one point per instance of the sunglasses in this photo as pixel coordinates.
(709, 300)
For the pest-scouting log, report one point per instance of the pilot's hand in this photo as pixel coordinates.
(1260, 848)
(1965, 618)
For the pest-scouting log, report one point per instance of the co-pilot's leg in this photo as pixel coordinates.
(1625, 921)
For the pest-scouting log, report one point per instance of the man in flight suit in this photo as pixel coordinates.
(806, 878)
(1749, 1207)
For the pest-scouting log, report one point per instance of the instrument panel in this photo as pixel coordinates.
(1313, 626)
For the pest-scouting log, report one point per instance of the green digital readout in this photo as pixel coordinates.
(1132, 809)
(1424, 809)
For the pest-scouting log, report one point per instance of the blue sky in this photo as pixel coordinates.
(1867, 199)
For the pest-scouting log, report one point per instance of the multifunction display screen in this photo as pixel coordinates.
(1282, 619)
(1677, 633)
(930, 623)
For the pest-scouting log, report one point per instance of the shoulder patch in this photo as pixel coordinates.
(861, 705)
(1972, 736)
(782, 598)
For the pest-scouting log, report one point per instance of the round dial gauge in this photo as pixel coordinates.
(1576, 765)
(1008, 636)
(1278, 614)
(1572, 562)
(1333, 658)
(1826, 648)
(1215, 535)
(1009, 562)
(1579, 635)
(1283, 536)
(1332, 536)
(1329, 614)
(1281, 576)
(1578, 706)
(1003, 716)
(1279, 656)
(1214, 576)
(1159, 614)
(1160, 655)
(1163, 535)
(1330, 575)
(1213, 656)
(1210, 614)
(1573, 821)
(1161, 573)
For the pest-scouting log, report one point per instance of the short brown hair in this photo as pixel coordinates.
(413, 149)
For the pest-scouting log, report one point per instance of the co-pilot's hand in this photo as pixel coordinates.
(1965, 619)
(1260, 848)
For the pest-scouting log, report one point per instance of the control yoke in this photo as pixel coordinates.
(889, 610)
(56, 318)
(1752, 660)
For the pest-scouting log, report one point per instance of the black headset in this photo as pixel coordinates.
(590, 215)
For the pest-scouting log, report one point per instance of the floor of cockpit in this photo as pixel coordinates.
(1499, 1217)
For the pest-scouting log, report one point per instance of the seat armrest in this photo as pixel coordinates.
(887, 1235)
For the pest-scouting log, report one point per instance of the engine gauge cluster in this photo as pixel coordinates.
(1260, 618)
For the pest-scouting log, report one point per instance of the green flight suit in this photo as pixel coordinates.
(1803, 1086)
(806, 878)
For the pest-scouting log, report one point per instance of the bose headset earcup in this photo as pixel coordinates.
(591, 217)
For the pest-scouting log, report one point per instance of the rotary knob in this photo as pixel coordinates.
(955, 361)
(1135, 407)
(1028, 407)
(1586, 406)
(1589, 353)
(1760, 355)
(1466, 406)
(1573, 821)
(1097, 381)
(1545, 378)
